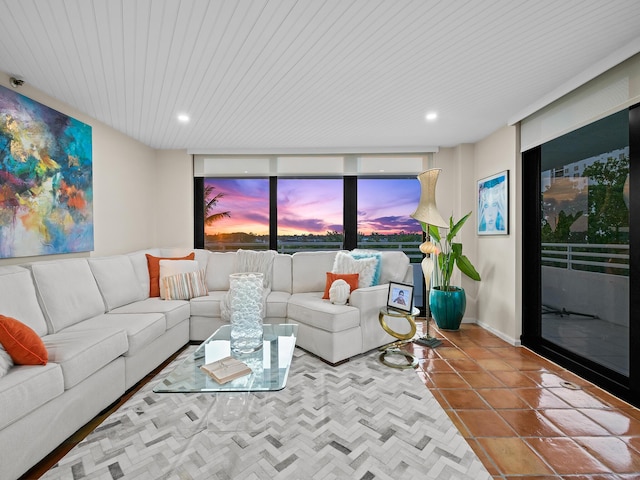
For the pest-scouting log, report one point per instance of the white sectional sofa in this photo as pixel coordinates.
(103, 333)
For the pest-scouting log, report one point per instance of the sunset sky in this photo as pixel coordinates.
(314, 206)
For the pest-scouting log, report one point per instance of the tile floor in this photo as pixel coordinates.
(510, 405)
(515, 411)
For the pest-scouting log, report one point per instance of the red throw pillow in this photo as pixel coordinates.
(154, 271)
(22, 343)
(350, 278)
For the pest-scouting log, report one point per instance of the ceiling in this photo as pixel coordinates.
(308, 75)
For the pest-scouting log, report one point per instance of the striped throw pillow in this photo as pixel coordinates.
(184, 286)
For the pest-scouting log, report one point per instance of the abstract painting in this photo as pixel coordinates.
(46, 183)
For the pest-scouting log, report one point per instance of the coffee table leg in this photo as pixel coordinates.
(237, 412)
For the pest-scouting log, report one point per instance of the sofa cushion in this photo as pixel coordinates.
(153, 263)
(277, 303)
(141, 267)
(18, 298)
(22, 343)
(82, 353)
(116, 280)
(141, 328)
(312, 310)
(309, 270)
(393, 267)
(281, 273)
(68, 292)
(350, 278)
(219, 266)
(174, 311)
(27, 387)
(208, 306)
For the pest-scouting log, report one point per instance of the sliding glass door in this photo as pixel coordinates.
(577, 263)
(585, 242)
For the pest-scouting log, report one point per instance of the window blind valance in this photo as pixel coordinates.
(612, 91)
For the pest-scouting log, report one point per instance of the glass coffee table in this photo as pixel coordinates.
(241, 404)
(269, 365)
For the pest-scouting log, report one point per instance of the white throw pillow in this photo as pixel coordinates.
(169, 268)
(365, 267)
(6, 362)
(339, 292)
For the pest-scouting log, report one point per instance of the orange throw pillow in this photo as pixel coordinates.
(22, 343)
(154, 271)
(350, 278)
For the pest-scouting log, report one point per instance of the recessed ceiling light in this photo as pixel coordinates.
(431, 116)
(183, 118)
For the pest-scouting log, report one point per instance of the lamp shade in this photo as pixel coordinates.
(427, 212)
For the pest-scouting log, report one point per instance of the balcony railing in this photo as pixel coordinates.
(612, 259)
(410, 248)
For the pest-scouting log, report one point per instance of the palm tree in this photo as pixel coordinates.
(209, 204)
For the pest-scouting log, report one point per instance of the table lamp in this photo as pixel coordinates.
(427, 213)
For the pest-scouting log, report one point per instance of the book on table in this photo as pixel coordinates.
(226, 369)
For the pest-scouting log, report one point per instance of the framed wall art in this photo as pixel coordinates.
(493, 204)
(46, 183)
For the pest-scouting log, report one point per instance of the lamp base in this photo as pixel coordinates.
(428, 341)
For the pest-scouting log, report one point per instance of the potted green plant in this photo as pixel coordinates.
(447, 302)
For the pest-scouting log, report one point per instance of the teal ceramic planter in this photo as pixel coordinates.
(447, 308)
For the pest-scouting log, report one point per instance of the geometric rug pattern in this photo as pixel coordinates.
(359, 420)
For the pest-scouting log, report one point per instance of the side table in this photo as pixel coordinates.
(393, 349)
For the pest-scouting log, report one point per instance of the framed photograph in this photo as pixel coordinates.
(493, 204)
(400, 297)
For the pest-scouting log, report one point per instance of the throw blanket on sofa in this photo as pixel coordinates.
(252, 261)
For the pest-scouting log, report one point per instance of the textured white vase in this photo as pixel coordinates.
(245, 306)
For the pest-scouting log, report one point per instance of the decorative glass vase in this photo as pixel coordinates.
(245, 306)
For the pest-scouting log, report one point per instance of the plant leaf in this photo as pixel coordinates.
(467, 268)
(434, 232)
(456, 228)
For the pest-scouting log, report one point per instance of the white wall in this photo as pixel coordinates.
(124, 185)
(455, 196)
(174, 199)
(494, 302)
(498, 261)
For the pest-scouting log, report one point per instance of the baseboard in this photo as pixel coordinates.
(499, 334)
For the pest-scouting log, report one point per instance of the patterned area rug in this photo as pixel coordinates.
(360, 420)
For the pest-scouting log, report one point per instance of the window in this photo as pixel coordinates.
(310, 214)
(384, 223)
(332, 202)
(236, 213)
(384, 208)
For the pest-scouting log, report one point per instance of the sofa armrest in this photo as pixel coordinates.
(369, 301)
(372, 298)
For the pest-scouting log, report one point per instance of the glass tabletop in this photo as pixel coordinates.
(270, 365)
(393, 312)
